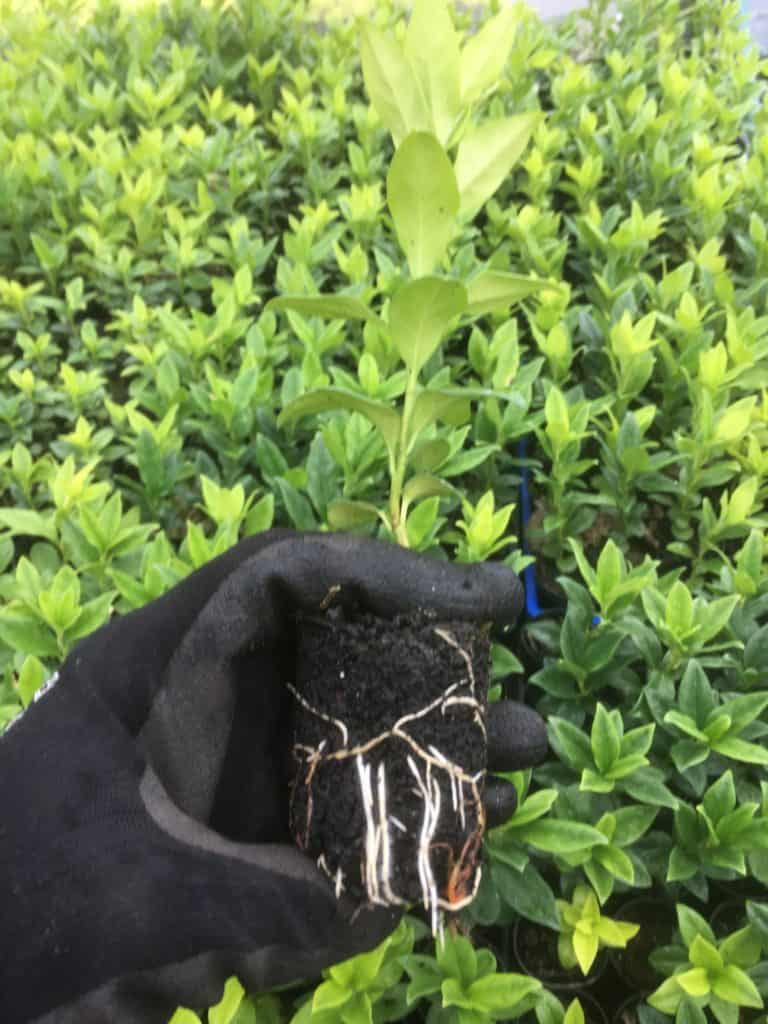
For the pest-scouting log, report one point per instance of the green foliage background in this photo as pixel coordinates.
(162, 177)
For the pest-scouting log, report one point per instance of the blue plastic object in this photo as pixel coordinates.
(532, 607)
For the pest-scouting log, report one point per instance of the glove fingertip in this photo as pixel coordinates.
(517, 737)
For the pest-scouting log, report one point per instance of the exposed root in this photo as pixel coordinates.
(425, 766)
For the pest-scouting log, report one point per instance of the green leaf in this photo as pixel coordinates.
(696, 698)
(330, 995)
(605, 739)
(713, 618)
(486, 156)
(647, 787)
(498, 993)
(485, 54)
(420, 313)
(694, 982)
(431, 406)
(432, 46)
(184, 1016)
(23, 521)
(330, 307)
(348, 515)
(391, 84)
(425, 974)
(704, 954)
(679, 611)
(26, 634)
(757, 914)
(585, 946)
(327, 399)
(527, 893)
(570, 743)
(424, 486)
(555, 836)
(720, 798)
(733, 985)
(494, 291)
(423, 199)
(692, 924)
(741, 750)
(225, 1010)
(92, 614)
(686, 725)
(457, 958)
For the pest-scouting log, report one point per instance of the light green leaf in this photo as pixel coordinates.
(555, 836)
(330, 995)
(420, 313)
(424, 486)
(184, 1016)
(704, 954)
(330, 307)
(226, 1009)
(733, 985)
(585, 946)
(423, 199)
(391, 84)
(498, 993)
(432, 46)
(694, 982)
(679, 611)
(487, 154)
(327, 399)
(485, 55)
(25, 521)
(347, 515)
(741, 750)
(605, 739)
(494, 291)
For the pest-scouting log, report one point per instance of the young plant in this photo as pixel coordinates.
(365, 988)
(609, 756)
(714, 838)
(429, 112)
(463, 985)
(712, 724)
(703, 973)
(584, 930)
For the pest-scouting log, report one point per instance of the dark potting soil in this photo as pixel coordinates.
(358, 682)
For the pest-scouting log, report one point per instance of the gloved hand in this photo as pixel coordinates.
(144, 851)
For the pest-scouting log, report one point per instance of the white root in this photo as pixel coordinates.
(377, 862)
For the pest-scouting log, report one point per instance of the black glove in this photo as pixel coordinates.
(144, 850)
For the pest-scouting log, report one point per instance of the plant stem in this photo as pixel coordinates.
(401, 463)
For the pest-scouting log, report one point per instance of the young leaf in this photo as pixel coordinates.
(497, 993)
(679, 612)
(423, 199)
(331, 307)
(432, 46)
(420, 313)
(392, 85)
(494, 291)
(348, 515)
(327, 399)
(487, 154)
(484, 56)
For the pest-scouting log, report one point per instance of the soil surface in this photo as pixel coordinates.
(390, 755)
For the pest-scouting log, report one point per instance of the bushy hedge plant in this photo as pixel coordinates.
(164, 175)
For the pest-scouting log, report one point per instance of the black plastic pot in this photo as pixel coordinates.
(657, 920)
(728, 917)
(535, 949)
